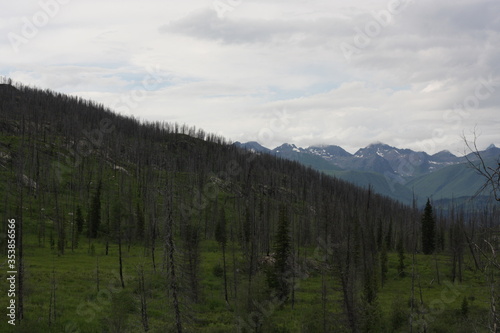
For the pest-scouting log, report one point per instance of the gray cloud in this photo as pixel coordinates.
(205, 24)
(236, 75)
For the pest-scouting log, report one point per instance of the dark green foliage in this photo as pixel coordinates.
(94, 220)
(440, 243)
(388, 237)
(123, 305)
(279, 275)
(370, 287)
(401, 258)
(371, 318)
(79, 220)
(139, 231)
(399, 314)
(464, 309)
(428, 230)
(192, 260)
(218, 271)
(52, 241)
(116, 219)
(380, 235)
(221, 238)
(383, 264)
(220, 229)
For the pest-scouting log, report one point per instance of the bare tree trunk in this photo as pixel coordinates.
(471, 249)
(120, 256)
(235, 276)
(173, 277)
(144, 305)
(490, 174)
(437, 269)
(19, 234)
(225, 273)
(52, 302)
(97, 279)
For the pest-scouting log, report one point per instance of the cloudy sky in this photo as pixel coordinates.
(410, 73)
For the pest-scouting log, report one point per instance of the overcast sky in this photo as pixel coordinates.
(413, 74)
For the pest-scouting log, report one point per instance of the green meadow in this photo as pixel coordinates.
(80, 291)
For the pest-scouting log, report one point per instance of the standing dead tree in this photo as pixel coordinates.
(491, 174)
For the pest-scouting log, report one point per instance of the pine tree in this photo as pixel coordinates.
(388, 237)
(221, 238)
(140, 222)
(79, 219)
(191, 258)
(278, 277)
(94, 219)
(116, 226)
(428, 230)
(384, 269)
(401, 258)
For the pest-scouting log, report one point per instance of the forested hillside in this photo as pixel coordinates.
(130, 226)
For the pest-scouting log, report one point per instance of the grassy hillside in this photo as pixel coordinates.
(453, 181)
(387, 186)
(123, 226)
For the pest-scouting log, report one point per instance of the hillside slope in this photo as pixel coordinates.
(93, 192)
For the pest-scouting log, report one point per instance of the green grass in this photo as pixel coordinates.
(81, 308)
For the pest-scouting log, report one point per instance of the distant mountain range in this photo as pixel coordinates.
(394, 172)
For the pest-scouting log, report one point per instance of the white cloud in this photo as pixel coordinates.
(236, 75)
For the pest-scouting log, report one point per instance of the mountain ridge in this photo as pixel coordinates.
(392, 171)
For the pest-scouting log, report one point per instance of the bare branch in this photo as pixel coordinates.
(491, 175)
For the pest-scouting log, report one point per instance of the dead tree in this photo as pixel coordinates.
(491, 174)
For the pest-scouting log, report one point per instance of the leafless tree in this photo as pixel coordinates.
(476, 161)
(491, 175)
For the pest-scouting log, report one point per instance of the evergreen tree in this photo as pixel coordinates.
(384, 269)
(116, 225)
(221, 238)
(428, 230)
(220, 229)
(191, 255)
(401, 258)
(94, 219)
(278, 277)
(79, 219)
(388, 237)
(380, 234)
(140, 222)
